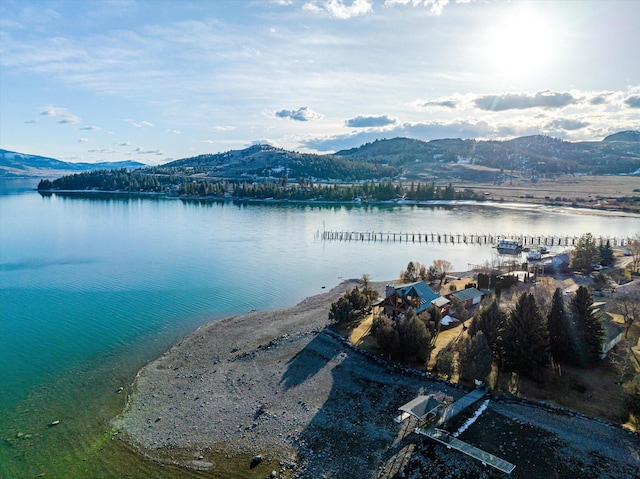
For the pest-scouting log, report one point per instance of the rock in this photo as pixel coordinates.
(273, 474)
(54, 423)
(20, 434)
(257, 459)
(120, 389)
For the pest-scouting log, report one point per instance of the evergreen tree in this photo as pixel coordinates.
(416, 341)
(524, 338)
(444, 363)
(588, 326)
(585, 253)
(606, 254)
(560, 330)
(489, 320)
(387, 337)
(341, 310)
(475, 358)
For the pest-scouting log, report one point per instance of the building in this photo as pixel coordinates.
(468, 296)
(417, 296)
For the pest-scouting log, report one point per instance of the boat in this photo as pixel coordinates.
(509, 246)
(534, 256)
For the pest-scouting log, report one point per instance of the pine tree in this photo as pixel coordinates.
(524, 338)
(560, 330)
(585, 253)
(588, 326)
(489, 320)
(606, 254)
(475, 358)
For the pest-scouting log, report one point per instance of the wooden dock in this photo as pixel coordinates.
(527, 241)
(443, 437)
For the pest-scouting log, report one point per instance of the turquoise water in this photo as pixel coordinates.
(92, 288)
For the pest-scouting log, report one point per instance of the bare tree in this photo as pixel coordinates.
(634, 249)
(442, 268)
(628, 305)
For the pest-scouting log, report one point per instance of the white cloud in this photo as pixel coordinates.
(102, 151)
(137, 124)
(208, 141)
(633, 101)
(522, 101)
(175, 132)
(301, 114)
(83, 140)
(370, 121)
(142, 151)
(90, 128)
(223, 128)
(32, 122)
(338, 8)
(434, 7)
(64, 116)
(265, 141)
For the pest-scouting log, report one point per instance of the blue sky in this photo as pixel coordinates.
(153, 81)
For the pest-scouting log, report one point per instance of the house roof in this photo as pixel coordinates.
(611, 329)
(419, 289)
(421, 406)
(440, 302)
(467, 294)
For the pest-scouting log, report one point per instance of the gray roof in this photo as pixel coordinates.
(421, 406)
(467, 294)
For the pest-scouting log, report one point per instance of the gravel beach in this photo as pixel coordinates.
(278, 385)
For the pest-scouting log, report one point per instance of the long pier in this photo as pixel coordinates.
(462, 238)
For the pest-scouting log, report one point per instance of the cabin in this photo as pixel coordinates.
(468, 296)
(417, 296)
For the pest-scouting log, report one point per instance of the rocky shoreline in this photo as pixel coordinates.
(279, 385)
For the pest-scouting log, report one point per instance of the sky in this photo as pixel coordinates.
(154, 81)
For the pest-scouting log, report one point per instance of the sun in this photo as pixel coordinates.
(519, 43)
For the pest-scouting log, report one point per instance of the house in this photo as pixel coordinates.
(612, 336)
(416, 296)
(469, 296)
(612, 331)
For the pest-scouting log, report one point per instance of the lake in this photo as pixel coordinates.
(94, 287)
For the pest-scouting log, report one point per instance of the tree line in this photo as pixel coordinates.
(104, 180)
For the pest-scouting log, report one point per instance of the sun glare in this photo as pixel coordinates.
(519, 44)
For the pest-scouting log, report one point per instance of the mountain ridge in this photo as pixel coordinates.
(400, 157)
(14, 164)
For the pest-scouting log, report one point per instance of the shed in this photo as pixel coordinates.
(468, 296)
(422, 407)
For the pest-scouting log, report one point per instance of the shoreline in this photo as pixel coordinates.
(277, 384)
(509, 204)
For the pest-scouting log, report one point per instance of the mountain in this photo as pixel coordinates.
(443, 160)
(265, 161)
(629, 135)
(538, 154)
(20, 165)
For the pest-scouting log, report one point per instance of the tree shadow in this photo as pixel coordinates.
(353, 431)
(306, 364)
